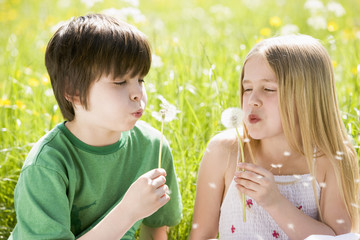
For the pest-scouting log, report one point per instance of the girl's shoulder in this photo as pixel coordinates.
(224, 140)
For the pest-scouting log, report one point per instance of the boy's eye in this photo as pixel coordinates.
(120, 83)
(141, 80)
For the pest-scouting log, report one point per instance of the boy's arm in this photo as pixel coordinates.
(148, 233)
(146, 195)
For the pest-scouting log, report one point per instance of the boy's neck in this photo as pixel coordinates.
(92, 136)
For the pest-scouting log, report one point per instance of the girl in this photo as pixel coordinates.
(302, 178)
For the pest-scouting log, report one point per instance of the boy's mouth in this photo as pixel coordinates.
(138, 113)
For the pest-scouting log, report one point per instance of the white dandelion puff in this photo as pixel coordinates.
(170, 111)
(232, 118)
(156, 61)
(317, 22)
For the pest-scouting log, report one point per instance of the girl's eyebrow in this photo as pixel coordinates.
(244, 81)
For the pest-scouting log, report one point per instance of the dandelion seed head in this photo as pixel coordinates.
(167, 109)
(317, 22)
(336, 8)
(232, 117)
(289, 29)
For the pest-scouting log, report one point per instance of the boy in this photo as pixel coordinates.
(94, 176)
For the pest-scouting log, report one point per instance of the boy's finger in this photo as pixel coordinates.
(158, 182)
(154, 173)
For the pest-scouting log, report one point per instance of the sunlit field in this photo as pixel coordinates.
(198, 50)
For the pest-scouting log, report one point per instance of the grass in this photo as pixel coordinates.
(201, 45)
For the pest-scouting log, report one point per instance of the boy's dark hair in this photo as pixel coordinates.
(90, 46)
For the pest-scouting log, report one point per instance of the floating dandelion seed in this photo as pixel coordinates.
(166, 114)
(322, 184)
(212, 185)
(233, 118)
(276, 165)
(195, 226)
(286, 153)
(340, 221)
(290, 226)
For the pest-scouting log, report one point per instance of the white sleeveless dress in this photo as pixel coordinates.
(259, 224)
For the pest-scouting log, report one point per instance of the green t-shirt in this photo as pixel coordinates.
(66, 186)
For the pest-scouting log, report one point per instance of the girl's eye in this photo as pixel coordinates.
(269, 90)
(247, 89)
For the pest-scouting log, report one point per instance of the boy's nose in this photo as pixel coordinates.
(136, 93)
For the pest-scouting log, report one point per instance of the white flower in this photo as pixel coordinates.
(134, 3)
(125, 14)
(90, 3)
(289, 29)
(221, 12)
(317, 22)
(336, 8)
(156, 61)
(314, 6)
(167, 109)
(232, 118)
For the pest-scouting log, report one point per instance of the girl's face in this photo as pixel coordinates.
(260, 99)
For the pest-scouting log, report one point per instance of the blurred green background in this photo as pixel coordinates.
(198, 46)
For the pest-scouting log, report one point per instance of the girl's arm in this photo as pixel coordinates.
(209, 191)
(259, 184)
(148, 233)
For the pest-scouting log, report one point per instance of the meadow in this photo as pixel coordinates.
(198, 49)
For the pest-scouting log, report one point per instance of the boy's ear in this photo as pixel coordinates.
(75, 100)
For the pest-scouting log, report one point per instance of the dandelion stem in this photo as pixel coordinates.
(161, 138)
(242, 160)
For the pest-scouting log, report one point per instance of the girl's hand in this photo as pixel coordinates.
(147, 194)
(257, 183)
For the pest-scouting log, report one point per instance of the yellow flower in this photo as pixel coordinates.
(334, 63)
(332, 26)
(45, 79)
(33, 82)
(354, 70)
(348, 34)
(4, 102)
(275, 21)
(20, 104)
(265, 32)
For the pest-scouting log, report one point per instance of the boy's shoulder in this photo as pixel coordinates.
(146, 130)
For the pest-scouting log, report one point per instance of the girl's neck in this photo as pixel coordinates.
(277, 157)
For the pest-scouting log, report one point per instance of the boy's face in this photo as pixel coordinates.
(114, 105)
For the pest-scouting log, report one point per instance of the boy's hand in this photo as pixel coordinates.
(147, 194)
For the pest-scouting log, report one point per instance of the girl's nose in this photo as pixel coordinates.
(255, 100)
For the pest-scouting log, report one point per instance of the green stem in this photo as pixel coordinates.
(161, 141)
(242, 160)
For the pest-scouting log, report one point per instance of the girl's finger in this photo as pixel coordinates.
(254, 177)
(254, 168)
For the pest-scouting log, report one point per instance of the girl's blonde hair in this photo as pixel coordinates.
(307, 96)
